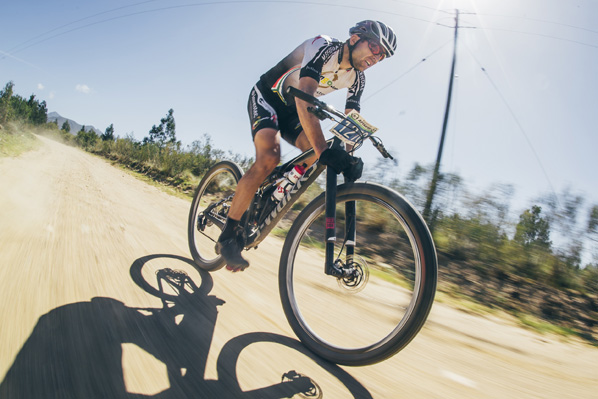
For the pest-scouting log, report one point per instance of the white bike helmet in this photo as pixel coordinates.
(378, 31)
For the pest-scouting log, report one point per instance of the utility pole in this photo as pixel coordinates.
(428, 207)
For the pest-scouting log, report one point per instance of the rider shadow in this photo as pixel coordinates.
(75, 351)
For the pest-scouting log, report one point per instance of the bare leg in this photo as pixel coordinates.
(267, 154)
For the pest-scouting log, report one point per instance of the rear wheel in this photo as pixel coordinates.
(208, 213)
(384, 298)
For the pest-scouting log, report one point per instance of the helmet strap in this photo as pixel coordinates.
(351, 50)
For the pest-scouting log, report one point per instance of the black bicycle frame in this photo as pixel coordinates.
(282, 207)
(277, 213)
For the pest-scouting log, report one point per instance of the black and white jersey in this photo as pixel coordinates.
(318, 58)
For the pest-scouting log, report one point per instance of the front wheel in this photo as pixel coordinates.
(372, 314)
(208, 213)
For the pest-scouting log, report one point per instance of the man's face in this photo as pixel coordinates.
(366, 54)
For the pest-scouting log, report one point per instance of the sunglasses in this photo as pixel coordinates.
(376, 49)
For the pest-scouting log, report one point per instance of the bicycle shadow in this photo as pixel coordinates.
(75, 351)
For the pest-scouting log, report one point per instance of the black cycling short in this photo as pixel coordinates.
(262, 114)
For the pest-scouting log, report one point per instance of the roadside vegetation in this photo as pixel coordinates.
(540, 264)
(16, 139)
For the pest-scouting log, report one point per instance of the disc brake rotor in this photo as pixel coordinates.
(357, 276)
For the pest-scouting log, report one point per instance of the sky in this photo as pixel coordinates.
(523, 111)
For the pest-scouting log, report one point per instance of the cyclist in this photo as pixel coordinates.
(318, 66)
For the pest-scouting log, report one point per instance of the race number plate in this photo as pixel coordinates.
(345, 130)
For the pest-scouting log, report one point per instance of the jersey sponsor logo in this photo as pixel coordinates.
(323, 55)
(328, 53)
(312, 69)
(260, 111)
(258, 121)
(327, 82)
(254, 103)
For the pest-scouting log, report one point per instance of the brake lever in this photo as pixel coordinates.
(380, 147)
(319, 113)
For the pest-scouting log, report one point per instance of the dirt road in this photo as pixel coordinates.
(80, 244)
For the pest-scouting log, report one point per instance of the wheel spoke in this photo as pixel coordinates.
(376, 306)
(208, 213)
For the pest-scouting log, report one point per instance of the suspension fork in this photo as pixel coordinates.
(330, 200)
(332, 268)
(350, 230)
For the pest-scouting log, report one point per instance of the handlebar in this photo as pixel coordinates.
(324, 111)
(314, 101)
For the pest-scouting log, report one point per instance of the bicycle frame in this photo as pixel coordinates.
(257, 227)
(279, 211)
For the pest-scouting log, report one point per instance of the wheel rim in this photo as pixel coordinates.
(218, 188)
(355, 321)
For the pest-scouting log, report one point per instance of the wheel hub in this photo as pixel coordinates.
(355, 275)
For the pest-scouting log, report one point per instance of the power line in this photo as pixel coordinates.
(407, 71)
(516, 119)
(386, 86)
(19, 47)
(72, 23)
(188, 6)
(419, 5)
(540, 20)
(541, 35)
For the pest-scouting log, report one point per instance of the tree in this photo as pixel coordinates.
(589, 277)
(6, 112)
(412, 185)
(532, 229)
(529, 252)
(66, 126)
(592, 231)
(38, 112)
(109, 133)
(16, 107)
(163, 133)
(491, 205)
(20, 108)
(593, 221)
(86, 139)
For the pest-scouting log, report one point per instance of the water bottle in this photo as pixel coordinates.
(285, 183)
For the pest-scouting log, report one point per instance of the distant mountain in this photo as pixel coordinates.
(75, 127)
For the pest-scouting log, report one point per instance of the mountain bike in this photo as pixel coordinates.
(358, 269)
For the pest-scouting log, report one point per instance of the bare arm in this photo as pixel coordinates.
(310, 123)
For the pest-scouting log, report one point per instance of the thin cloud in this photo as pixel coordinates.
(83, 89)
(40, 86)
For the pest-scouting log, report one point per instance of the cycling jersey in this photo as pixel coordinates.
(318, 58)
